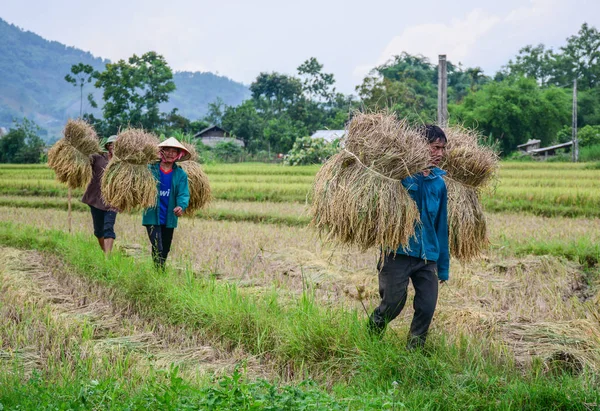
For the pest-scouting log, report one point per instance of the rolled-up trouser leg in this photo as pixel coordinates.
(393, 284)
(425, 280)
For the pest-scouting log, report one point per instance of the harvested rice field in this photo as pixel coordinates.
(256, 311)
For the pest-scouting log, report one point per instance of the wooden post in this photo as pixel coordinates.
(574, 124)
(442, 114)
(69, 209)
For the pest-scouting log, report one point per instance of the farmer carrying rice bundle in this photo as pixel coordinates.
(172, 199)
(425, 260)
(103, 216)
(385, 190)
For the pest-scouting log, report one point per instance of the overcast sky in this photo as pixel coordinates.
(239, 39)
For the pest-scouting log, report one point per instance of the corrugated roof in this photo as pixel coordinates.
(199, 133)
(329, 135)
(563, 145)
(529, 142)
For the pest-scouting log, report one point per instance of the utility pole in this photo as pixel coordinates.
(574, 124)
(442, 111)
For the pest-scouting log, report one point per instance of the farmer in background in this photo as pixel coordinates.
(103, 216)
(173, 198)
(427, 259)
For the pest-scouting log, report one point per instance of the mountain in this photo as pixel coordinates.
(32, 71)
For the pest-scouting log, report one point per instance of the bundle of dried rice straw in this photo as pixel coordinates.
(200, 194)
(69, 157)
(470, 167)
(127, 183)
(358, 197)
(82, 136)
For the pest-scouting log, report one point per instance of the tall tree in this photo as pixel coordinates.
(535, 62)
(216, 109)
(316, 84)
(275, 92)
(245, 123)
(79, 76)
(133, 90)
(581, 58)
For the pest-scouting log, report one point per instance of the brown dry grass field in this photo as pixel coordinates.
(532, 305)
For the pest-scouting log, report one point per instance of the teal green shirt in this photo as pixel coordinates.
(179, 197)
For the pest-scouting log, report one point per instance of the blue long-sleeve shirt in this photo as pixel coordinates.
(430, 241)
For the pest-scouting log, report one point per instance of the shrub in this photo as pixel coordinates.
(307, 150)
(227, 151)
(590, 153)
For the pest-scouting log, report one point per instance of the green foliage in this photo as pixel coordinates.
(281, 132)
(514, 111)
(22, 144)
(133, 90)
(195, 91)
(408, 85)
(315, 83)
(227, 151)
(216, 109)
(284, 108)
(244, 122)
(274, 92)
(590, 153)
(165, 390)
(309, 150)
(578, 58)
(588, 136)
(175, 122)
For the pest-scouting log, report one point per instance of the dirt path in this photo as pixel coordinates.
(32, 280)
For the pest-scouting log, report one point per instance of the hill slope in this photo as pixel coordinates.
(32, 84)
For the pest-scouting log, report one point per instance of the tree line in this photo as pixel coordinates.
(530, 97)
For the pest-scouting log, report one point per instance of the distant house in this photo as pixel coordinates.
(529, 146)
(329, 135)
(550, 151)
(212, 135)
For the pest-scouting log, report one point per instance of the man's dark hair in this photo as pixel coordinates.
(433, 133)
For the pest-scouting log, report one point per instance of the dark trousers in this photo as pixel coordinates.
(393, 285)
(104, 222)
(160, 238)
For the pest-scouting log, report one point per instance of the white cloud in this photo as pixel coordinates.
(455, 39)
(480, 38)
(536, 11)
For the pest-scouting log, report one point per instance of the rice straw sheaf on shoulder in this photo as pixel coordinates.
(82, 137)
(470, 167)
(127, 183)
(199, 186)
(69, 156)
(70, 165)
(358, 197)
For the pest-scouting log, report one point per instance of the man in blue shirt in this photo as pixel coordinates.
(427, 258)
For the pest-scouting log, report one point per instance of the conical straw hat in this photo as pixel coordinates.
(172, 142)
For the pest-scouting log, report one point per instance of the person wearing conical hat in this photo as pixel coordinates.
(103, 216)
(173, 198)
